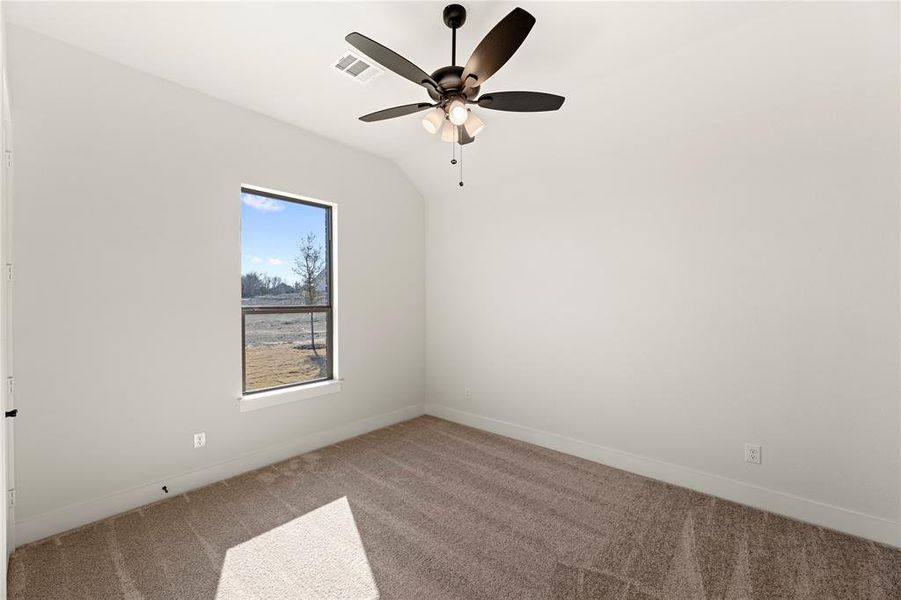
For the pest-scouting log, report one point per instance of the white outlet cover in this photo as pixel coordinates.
(753, 453)
(199, 440)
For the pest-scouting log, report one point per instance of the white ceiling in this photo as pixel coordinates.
(275, 58)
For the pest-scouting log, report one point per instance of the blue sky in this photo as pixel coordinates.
(271, 230)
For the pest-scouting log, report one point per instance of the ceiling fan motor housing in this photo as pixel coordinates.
(449, 78)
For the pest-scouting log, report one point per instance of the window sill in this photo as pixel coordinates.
(259, 400)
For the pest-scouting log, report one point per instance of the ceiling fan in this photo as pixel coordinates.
(453, 87)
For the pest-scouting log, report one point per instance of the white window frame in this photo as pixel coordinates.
(255, 400)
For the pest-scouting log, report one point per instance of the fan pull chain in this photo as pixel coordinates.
(461, 165)
(454, 149)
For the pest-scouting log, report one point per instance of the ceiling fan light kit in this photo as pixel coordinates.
(448, 132)
(473, 125)
(456, 112)
(433, 120)
(452, 87)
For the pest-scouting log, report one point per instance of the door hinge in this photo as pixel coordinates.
(9, 158)
(9, 271)
(10, 386)
(12, 496)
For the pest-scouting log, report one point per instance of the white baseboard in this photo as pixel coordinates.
(75, 515)
(796, 507)
(803, 509)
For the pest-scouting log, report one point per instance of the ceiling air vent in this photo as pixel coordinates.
(360, 69)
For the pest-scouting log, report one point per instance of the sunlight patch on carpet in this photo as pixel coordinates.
(316, 556)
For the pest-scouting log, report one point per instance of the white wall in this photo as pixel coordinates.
(6, 511)
(127, 285)
(703, 252)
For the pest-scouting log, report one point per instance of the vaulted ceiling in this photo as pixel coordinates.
(275, 58)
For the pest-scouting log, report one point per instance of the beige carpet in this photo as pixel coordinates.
(431, 510)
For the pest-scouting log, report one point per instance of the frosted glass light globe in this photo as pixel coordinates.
(473, 125)
(449, 132)
(433, 120)
(457, 112)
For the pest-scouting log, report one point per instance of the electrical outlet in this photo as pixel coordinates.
(199, 440)
(752, 453)
(467, 393)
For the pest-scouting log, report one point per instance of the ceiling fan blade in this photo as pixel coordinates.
(397, 111)
(497, 47)
(390, 60)
(521, 101)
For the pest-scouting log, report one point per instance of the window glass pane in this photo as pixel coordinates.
(284, 257)
(284, 349)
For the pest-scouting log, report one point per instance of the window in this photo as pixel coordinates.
(286, 291)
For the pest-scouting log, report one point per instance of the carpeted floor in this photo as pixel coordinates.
(431, 510)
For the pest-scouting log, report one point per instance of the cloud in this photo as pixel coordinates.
(275, 261)
(261, 203)
(256, 260)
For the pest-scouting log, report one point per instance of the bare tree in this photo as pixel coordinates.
(308, 266)
(252, 284)
(273, 283)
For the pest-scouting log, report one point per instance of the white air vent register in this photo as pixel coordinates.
(360, 69)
